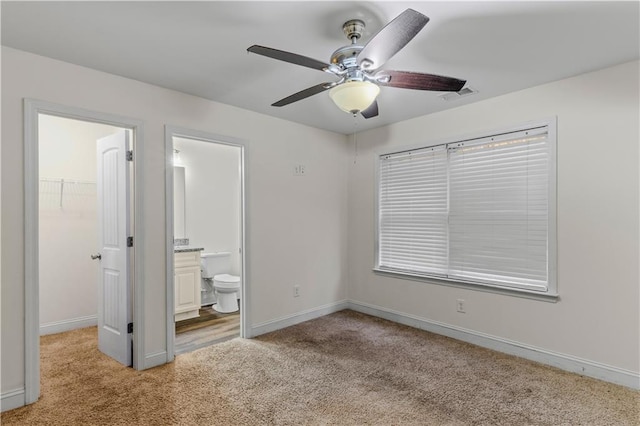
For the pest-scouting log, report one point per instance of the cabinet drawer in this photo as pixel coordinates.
(188, 258)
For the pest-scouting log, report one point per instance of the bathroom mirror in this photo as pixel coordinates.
(179, 213)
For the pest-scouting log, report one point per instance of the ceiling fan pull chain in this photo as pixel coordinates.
(355, 138)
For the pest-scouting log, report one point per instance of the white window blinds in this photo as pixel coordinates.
(412, 233)
(498, 207)
(475, 211)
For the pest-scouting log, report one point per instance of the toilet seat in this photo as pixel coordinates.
(226, 281)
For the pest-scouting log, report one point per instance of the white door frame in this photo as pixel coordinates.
(32, 109)
(170, 132)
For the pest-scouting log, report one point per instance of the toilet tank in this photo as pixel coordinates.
(215, 263)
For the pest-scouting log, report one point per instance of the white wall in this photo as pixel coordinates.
(212, 188)
(297, 226)
(68, 233)
(596, 318)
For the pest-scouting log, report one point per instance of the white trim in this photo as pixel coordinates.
(138, 247)
(31, 262)
(475, 286)
(245, 315)
(169, 244)
(31, 109)
(413, 145)
(12, 399)
(68, 325)
(565, 362)
(552, 197)
(298, 317)
(155, 359)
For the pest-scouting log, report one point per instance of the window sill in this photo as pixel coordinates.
(545, 297)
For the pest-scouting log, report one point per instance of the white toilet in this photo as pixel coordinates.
(225, 286)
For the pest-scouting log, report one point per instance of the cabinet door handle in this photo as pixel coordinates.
(96, 256)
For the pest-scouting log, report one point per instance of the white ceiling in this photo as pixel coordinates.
(200, 47)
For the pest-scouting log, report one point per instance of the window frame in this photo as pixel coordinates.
(551, 293)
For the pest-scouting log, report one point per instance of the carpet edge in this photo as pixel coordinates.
(297, 318)
(562, 361)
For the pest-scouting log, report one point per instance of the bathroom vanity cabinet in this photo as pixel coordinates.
(187, 284)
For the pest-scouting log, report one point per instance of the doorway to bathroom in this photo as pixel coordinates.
(206, 280)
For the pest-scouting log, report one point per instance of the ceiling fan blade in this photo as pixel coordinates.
(418, 81)
(310, 91)
(391, 39)
(293, 58)
(371, 111)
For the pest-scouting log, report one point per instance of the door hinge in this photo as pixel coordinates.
(130, 328)
(129, 241)
(129, 155)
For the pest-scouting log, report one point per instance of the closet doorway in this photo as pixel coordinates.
(80, 206)
(84, 222)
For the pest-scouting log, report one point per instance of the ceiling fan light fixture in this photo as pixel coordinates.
(354, 96)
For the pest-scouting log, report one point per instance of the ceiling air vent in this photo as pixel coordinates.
(465, 91)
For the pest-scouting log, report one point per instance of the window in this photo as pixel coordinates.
(479, 211)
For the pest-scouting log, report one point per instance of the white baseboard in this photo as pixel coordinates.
(154, 360)
(68, 325)
(12, 399)
(565, 362)
(289, 320)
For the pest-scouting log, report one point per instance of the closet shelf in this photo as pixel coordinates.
(57, 191)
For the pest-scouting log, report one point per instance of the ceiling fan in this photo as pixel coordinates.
(358, 67)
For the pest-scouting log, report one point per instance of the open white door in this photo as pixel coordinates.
(114, 308)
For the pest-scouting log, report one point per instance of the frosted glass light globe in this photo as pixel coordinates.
(354, 96)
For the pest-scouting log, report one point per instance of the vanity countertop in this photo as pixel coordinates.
(186, 249)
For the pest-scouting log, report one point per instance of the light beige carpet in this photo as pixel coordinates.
(342, 369)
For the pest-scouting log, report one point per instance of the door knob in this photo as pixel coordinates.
(96, 256)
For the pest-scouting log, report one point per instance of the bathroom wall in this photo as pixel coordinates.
(68, 222)
(596, 318)
(212, 196)
(297, 226)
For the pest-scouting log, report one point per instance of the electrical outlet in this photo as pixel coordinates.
(460, 306)
(296, 291)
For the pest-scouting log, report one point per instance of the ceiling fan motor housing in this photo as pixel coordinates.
(353, 29)
(346, 57)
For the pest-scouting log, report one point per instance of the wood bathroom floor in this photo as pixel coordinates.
(208, 329)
